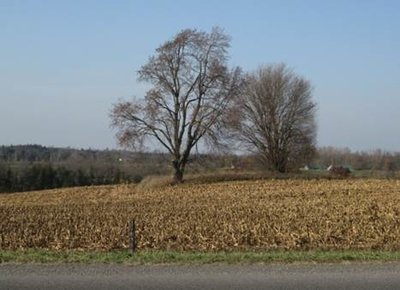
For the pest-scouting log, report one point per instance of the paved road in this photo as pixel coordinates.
(314, 276)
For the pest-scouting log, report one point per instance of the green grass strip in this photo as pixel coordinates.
(169, 257)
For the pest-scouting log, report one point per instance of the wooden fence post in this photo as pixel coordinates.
(132, 236)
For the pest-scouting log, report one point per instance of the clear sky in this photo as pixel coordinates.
(64, 63)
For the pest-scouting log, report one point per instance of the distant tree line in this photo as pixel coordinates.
(35, 167)
(377, 160)
(46, 176)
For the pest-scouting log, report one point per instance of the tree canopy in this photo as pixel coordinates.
(277, 117)
(191, 89)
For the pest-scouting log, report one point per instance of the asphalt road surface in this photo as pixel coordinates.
(275, 276)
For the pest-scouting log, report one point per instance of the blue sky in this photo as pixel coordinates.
(64, 63)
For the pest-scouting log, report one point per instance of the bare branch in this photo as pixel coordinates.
(191, 89)
(277, 116)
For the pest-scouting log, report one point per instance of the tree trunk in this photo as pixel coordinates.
(178, 176)
(280, 166)
(178, 172)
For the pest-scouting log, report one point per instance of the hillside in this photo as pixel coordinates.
(250, 215)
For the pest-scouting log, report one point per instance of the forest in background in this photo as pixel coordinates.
(36, 167)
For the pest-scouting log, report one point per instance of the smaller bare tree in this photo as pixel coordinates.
(192, 87)
(277, 117)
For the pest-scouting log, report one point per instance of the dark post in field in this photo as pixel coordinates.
(132, 236)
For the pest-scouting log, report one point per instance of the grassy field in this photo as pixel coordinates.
(175, 257)
(264, 215)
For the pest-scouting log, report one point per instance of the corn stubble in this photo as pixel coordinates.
(246, 215)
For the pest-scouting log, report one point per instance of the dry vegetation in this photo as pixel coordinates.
(251, 215)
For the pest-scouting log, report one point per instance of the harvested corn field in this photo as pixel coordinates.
(239, 215)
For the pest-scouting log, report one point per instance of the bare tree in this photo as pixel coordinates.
(277, 116)
(191, 88)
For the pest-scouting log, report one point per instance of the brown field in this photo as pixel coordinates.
(236, 215)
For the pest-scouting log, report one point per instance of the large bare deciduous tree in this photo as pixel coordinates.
(191, 88)
(277, 116)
